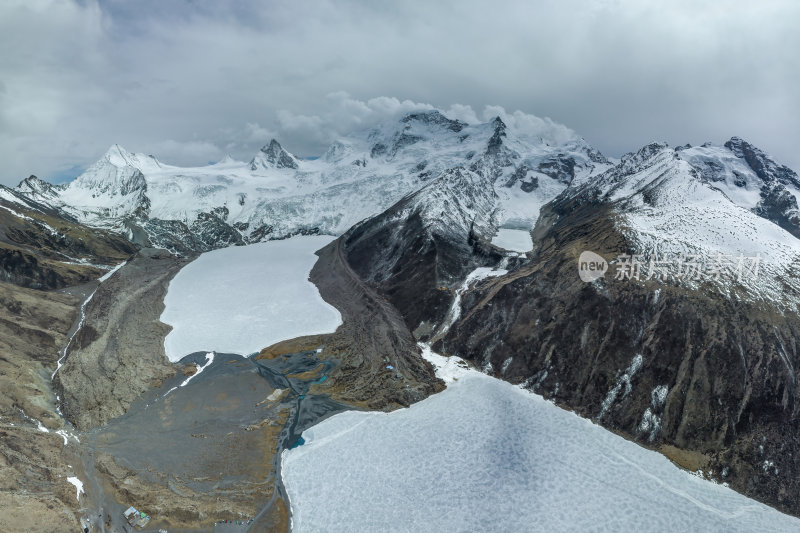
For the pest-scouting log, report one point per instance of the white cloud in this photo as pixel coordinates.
(185, 152)
(531, 125)
(79, 76)
(342, 115)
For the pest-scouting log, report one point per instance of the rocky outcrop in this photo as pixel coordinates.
(207, 232)
(41, 249)
(777, 201)
(777, 185)
(428, 241)
(661, 364)
(119, 352)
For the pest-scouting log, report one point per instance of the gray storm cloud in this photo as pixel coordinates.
(190, 81)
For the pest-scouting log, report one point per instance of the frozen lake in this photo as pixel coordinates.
(514, 240)
(244, 298)
(487, 456)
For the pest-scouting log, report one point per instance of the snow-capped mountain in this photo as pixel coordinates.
(708, 208)
(695, 352)
(751, 179)
(276, 194)
(40, 248)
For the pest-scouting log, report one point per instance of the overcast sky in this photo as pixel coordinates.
(189, 81)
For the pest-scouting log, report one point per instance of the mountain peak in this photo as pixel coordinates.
(118, 156)
(273, 155)
(765, 167)
(496, 141)
(434, 117)
(225, 160)
(34, 184)
(644, 153)
(498, 124)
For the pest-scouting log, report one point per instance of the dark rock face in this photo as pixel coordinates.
(496, 140)
(764, 167)
(136, 183)
(780, 206)
(559, 167)
(207, 232)
(41, 249)
(435, 117)
(211, 230)
(777, 203)
(521, 175)
(596, 156)
(403, 140)
(711, 170)
(497, 155)
(662, 364)
(428, 241)
(25, 270)
(378, 150)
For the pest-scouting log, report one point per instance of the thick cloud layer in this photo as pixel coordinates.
(192, 80)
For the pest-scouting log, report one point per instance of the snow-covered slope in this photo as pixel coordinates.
(691, 229)
(276, 194)
(750, 178)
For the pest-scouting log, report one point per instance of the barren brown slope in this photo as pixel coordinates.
(119, 352)
(41, 249)
(34, 492)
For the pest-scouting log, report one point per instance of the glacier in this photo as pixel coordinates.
(277, 195)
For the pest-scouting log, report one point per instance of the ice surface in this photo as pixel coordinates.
(242, 299)
(515, 240)
(485, 455)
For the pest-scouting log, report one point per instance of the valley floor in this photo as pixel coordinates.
(213, 440)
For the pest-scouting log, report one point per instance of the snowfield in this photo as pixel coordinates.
(359, 176)
(242, 299)
(485, 455)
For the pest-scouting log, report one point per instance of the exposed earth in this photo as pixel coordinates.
(192, 455)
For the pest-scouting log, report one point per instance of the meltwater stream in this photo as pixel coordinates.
(208, 436)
